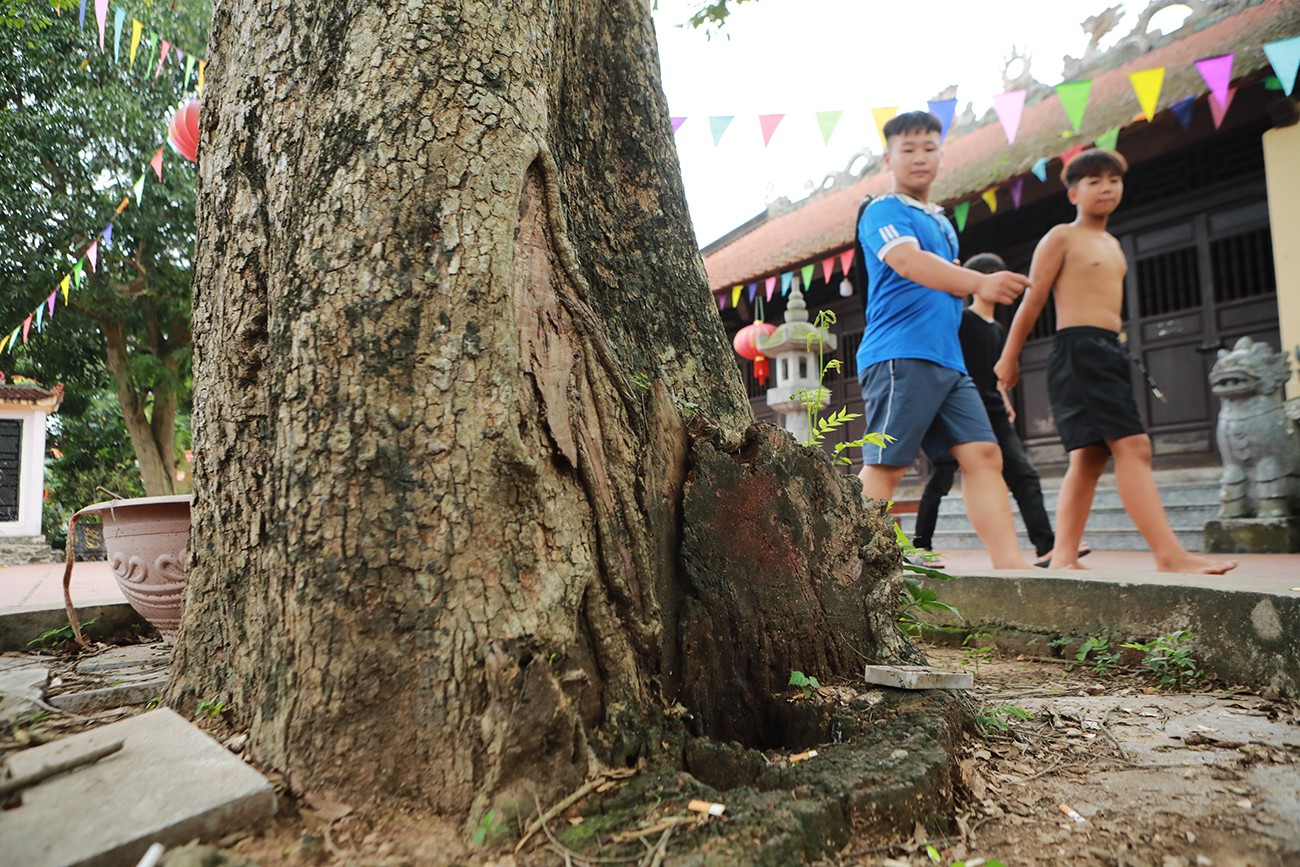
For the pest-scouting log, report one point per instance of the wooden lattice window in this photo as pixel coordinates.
(1243, 266)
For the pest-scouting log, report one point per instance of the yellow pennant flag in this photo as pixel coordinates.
(1147, 84)
(202, 65)
(136, 29)
(4, 343)
(64, 286)
(735, 295)
(883, 116)
(990, 198)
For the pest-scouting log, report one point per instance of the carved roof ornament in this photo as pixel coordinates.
(1018, 63)
(1140, 40)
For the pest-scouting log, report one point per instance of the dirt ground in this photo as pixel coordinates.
(1073, 768)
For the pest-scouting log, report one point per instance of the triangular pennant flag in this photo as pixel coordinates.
(119, 20)
(1069, 154)
(1217, 72)
(81, 22)
(846, 261)
(189, 70)
(1108, 140)
(156, 163)
(828, 268)
(49, 302)
(1219, 110)
(769, 123)
(136, 29)
(1147, 84)
(153, 48)
(826, 121)
(990, 198)
(1284, 56)
(92, 253)
(1183, 111)
(1017, 188)
(138, 188)
(40, 316)
(770, 286)
(107, 235)
(27, 323)
(162, 59)
(202, 65)
(961, 210)
(4, 343)
(78, 274)
(189, 64)
(751, 290)
(883, 116)
(943, 109)
(1272, 82)
(735, 295)
(63, 284)
(1074, 99)
(722, 301)
(180, 55)
(718, 125)
(786, 279)
(101, 18)
(806, 275)
(13, 339)
(1040, 168)
(1010, 106)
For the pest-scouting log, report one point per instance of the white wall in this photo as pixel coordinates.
(31, 476)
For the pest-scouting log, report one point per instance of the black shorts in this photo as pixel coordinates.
(1088, 381)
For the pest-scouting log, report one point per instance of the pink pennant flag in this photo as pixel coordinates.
(49, 302)
(769, 123)
(1017, 187)
(27, 325)
(92, 253)
(846, 260)
(677, 122)
(156, 163)
(1219, 110)
(162, 58)
(828, 268)
(769, 286)
(101, 16)
(1009, 107)
(1217, 72)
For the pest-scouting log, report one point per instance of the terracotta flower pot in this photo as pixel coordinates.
(146, 539)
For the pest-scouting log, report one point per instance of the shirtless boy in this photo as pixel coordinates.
(1088, 371)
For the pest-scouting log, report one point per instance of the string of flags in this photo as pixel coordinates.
(157, 46)
(1283, 55)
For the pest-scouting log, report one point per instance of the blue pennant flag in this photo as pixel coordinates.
(1183, 111)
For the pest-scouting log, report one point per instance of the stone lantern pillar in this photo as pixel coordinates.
(794, 351)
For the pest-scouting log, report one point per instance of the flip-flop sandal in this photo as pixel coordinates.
(1047, 561)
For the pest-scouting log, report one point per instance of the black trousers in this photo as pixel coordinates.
(1018, 472)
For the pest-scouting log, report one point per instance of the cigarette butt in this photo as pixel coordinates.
(706, 807)
(803, 757)
(1069, 811)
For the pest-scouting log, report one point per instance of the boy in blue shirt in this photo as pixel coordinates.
(914, 382)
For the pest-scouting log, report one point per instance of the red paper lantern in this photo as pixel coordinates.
(746, 347)
(183, 131)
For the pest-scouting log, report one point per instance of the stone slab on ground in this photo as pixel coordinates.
(918, 677)
(19, 626)
(127, 694)
(22, 681)
(170, 783)
(1253, 535)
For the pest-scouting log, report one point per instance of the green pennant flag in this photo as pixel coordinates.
(189, 70)
(76, 274)
(1074, 99)
(960, 211)
(1272, 83)
(138, 188)
(807, 274)
(1108, 140)
(827, 121)
(155, 45)
(13, 338)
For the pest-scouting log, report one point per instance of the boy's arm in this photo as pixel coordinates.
(1049, 256)
(913, 263)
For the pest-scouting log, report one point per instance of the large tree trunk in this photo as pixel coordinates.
(478, 496)
(152, 428)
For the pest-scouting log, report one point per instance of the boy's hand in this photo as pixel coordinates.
(1007, 371)
(1002, 287)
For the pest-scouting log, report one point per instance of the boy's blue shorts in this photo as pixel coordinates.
(922, 405)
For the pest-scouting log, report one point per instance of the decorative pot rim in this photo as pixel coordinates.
(111, 505)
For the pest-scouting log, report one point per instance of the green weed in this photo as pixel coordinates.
(55, 637)
(208, 708)
(488, 827)
(805, 682)
(1170, 658)
(997, 717)
(1104, 659)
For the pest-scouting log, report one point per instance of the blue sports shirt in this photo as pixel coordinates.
(904, 318)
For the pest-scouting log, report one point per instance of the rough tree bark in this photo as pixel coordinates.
(150, 414)
(479, 504)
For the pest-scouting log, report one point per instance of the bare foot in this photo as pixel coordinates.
(1194, 563)
(1068, 564)
(1011, 564)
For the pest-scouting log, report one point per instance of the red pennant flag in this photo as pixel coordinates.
(1071, 153)
(769, 123)
(156, 163)
(846, 260)
(27, 324)
(828, 268)
(770, 286)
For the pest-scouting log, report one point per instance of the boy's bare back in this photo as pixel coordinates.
(1085, 268)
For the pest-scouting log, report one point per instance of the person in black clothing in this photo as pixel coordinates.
(981, 344)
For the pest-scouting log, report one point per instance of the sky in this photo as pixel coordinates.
(799, 57)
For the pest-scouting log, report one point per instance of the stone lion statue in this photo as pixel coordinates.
(1259, 443)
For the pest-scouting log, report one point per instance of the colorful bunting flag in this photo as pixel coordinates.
(826, 121)
(961, 210)
(990, 198)
(119, 20)
(101, 18)
(1218, 110)
(92, 253)
(4, 343)
(81, 22)
(189, 70)
(722, 301)
(1108, 140)
(770, 286)
(27, 323)
(1074, 99)
(49, 302)
(189, 67)
(828, 268)
(769, 123)
(64, 286)
(1010, 106)
(846, 261)
(944, 110)
(13, 338)
(156, 163)
(1147, 84)
(136, 29)
(202, 65)
(751, 290)
(1017, 189)
(40, 317)
(162, 59)
(735, 295)
(1284, 56)
(78, 274)
(107, 235)
(807, 274)
(717, 124)
(1040, 169)
(786, 279)
(138, 188)
(883, 116)
(1183, 111)
(1217, 72)
(1069, 154)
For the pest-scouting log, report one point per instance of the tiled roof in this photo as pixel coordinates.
(28, 394)
(981, 158)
